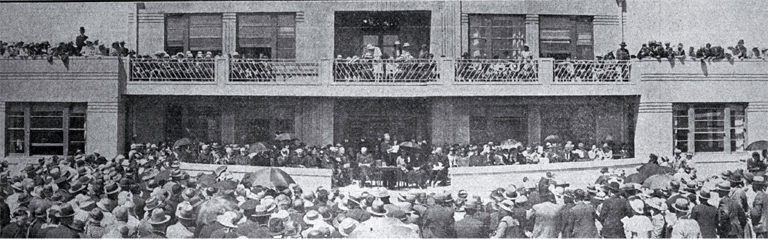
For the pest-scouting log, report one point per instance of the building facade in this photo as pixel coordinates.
(332, 72)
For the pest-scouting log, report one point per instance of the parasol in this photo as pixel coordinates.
(552, 138)
(182, 142)
(659, 181)
(268, 177)
(510, 144)
(206, 180)
(409, 144)
(757, 145)
(383, 228)
(257, 148)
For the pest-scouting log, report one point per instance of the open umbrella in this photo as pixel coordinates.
(285, 137)
(552, 138)
(659, 181)
(409, 144)
(182, 142)
(510, 144)
(257, 148)
(206, 180)
(268, 177)
(163, 175)
(383, 227)
(757, 145)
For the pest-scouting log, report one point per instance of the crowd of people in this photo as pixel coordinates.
(179, 67)
(378, 66)
(659, 50)
(81, 47)
(91, 196)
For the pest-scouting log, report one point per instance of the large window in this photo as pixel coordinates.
(193, 32)
(496, 35)
(562, 37)
(271, 35)
(354, 31)
(709, 127)
(45, 128)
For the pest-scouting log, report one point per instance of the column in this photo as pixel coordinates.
(606, 33)
(2, 129)
(105, 128)
(727, 128)
(314, 121)
(532, 33)
(654, 129)
(464, 37)
(534, 124)
(757, 126)
(229, 33)
(151, 33)
(228, 126)
(691, 128)
(441, 121)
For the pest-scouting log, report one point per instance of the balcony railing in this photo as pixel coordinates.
(394, 71)
(497, 70)
(249, 70)
(597, 71)
(173, 70)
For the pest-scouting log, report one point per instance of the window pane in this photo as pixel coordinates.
(77, 122)
(681, 135)
(196, 20)
(47, 113)
(286, 19)
(76, 146)
(15, 122)
(255, 20)
(709, 114)
(47, 122)
(681, 122)
(709, 136)
(47, 136)
(15, 113)
(47, 150)
(286, 53)
(286, 32)
(15, 141)
(710, 146)
(710, 126)
(76, 135)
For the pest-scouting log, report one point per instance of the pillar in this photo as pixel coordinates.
(607, 33)
(314, 121)
(105, 128)
(464, 34)
(2, 129)
(534, 124)
(228, 126)
(654, 129)
(440, 117)
(151, 33)
(229, 33)
(757, 126)
(532, 34)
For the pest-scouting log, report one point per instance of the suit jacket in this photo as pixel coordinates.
(470, 227)
(614, 209)
(5, 214)
(759, 212)
(546, 219)
(731, 218)
(580, 222)
(706, 216)
(438, 222)
(686, 228)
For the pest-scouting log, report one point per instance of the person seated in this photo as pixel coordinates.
(742, 50)
(644, 52)
(679, 52)
(756, 164)
(755, 53)
(659, 51)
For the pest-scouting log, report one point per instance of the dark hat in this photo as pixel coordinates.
(65, 210)
(77, 226)
(613, 186)
(82, 29)
(623, 44)
(158, 217)
(95, 215)
(77, 187)
(24, 198)
(724, 186)
(82, 171)
(111, 188)
(106, 204)
(704, 194)
(29, 168)
(152, 203)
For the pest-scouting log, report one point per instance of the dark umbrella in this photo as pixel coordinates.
(285, 137)
(758, 145)
(182, 142)
(268, 177)
(659, 181)
(409, 144)
(206, 180)
(225, 185)
(163, 175)
(257, 148)
(552, 138)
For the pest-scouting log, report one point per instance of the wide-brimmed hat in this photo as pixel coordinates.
(106, 204)
(111, 188)
(637, 205)
(507, 205)
(724, 186)
(377, 209)
(77, 187)
(260, 211)
(65, 210)
(347, 226)
(704, 195)
(95, 216)
(24, 198)
(185, 211)
(152, 203)
(17, 186)
(758, 180)
(682, 205)
(158, 216)
(623, 44)
(510, 194)
(656, 203)
(312, 217)
(325, 212)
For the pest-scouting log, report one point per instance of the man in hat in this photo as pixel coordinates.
(622, 53)
(469, 226)
(63, 221)
(512, 223)
(614, 209)
(685, 227)
(93, 227)
(546, 218)
(80, 39)
(732, 218)
(759, 211)
(438, 220)
(580, 219)
(705, 214)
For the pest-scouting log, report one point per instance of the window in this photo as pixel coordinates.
(496, 35)
(272, 35)
(193, 32)
(709, 127)
(45, 129)
(204, 124)
(562, 37)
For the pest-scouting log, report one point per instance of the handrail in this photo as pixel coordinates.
(497, 70)
(395, 71)
(277, 70)
(172, 70)
(593, 71)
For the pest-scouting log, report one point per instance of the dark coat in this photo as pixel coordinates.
(731, 218)
(61, 232)
(207, 230)
(706, 216)
(438, 223)
(580, 222)
(5, 214)
(614, 209)
(470, 227)
(13, 231)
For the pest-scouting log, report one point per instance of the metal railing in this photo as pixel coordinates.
(172, 70)
(364, 70)
(592, 71)
(497, 70)
(255, 70)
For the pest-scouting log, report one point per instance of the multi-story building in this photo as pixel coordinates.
(318, 84)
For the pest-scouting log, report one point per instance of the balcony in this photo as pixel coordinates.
(380, 78)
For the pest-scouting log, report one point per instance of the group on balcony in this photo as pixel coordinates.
(707, 52)
(82, 47)
(375, 66)
(179, 67)
(518, 68)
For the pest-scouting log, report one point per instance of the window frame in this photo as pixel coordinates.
(187, 36)
(725, 134)
(275, 24)
(490, 37)
(576, 51)
(28, 108)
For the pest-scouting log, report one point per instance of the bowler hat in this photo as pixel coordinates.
(65, 210)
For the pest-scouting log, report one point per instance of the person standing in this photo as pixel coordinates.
(614, 209)
(80, 40)
(731, 216)
(581, 218)
(438, 220)
(685, 227)
(759, 212)
(546, 218)
(705, 215)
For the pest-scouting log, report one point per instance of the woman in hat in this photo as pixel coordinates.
(639, 225)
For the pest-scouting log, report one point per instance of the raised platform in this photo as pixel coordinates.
(307, 178)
